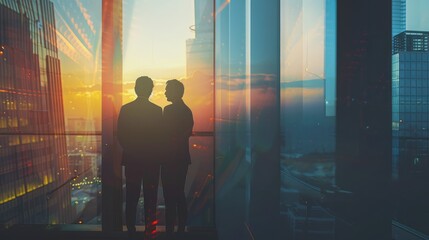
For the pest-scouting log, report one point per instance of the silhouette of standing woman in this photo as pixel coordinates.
(139, 124)
(178, 123)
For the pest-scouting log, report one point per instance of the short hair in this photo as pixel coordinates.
(144, 86)
(177, 87)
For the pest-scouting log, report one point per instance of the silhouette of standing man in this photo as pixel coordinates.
(139, 124)
(178, 123)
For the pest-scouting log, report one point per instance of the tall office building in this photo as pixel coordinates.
(411, 41)
(199, 50)
(399, 8)
(410, 75)
(410, 128)
(33, 165)
(199, 85)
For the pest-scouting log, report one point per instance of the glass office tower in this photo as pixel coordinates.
(399, 8)
(32, 143)
(411, 41)
(410, 127)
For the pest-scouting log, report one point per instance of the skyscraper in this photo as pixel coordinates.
(199, 85)
(199, 50)
(33, 165)
(410, 74)
(411, 41)
(410, 128)
(399, 8)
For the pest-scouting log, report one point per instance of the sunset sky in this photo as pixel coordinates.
(154, 44)
(156, 50)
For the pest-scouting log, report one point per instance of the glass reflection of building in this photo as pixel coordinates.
(321, 198)
(308, 110)
(199, 49)
(199, 75)
(410, 125)
(308, 98)
(399, 8)
(199, 65)
(78, 35)
(33, 156)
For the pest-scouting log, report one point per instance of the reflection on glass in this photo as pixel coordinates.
(49, 69)
(410, 122)
(78, 31)
(232, 103)
(307, 115)
(308, 132)
(84, 156)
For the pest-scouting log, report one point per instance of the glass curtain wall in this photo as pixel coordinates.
(308, 94)
(50, 112)
(50, 108)
(247, 118)
(410, 122)
(233, 150)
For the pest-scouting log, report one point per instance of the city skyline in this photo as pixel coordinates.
(34, 159)
(260, 91)
(82, 82)
(410, 124)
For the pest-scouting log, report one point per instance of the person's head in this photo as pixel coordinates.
(174, 90)
(144, 87)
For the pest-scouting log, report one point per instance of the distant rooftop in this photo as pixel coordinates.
(411, 41)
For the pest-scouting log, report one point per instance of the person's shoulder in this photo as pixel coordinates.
(127, 106)
(187, 108)
(154, 106)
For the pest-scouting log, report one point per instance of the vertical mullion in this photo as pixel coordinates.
(111, 103)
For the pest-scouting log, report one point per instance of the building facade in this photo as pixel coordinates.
(411, 41)
(410, 127)
(33, 165)
(410, 75)
(399, 20)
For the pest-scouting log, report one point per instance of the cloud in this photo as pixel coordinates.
(308, 84)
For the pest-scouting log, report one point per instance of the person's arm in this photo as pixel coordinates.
(184, 124)
(189, 124)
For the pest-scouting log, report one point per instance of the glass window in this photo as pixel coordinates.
(50, 55)
(177, 42)
(411, 156)
(308, 110)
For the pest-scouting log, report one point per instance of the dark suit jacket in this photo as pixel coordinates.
(178, 123)
(139, 132)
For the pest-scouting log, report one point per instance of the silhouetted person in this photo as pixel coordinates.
(178, 123)
(139, 124)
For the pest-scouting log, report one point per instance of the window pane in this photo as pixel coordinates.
(176, 42)
(410, 142)
(50, 81)
(308, 81)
